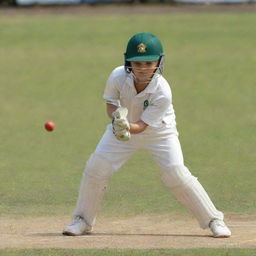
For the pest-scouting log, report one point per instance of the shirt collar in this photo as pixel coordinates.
(151, 88)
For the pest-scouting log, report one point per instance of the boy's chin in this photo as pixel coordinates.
(143, 78)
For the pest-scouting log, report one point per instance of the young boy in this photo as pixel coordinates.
(139, 103)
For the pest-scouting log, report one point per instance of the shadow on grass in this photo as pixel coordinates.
(116, 234)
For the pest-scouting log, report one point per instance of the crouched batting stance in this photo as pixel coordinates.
(139, 103)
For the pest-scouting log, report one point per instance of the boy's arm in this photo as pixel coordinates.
(136, 127)
(110, 109)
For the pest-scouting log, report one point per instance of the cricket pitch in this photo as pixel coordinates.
(140, 232)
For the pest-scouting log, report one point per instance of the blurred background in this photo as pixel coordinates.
(93, 2)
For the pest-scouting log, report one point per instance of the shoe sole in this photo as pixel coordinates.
(66, 233)
(70, 234)
(222, 236)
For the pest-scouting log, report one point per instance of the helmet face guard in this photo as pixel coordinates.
(158, 70)
(144, 47)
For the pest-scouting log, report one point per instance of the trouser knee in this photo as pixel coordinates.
(98, 168)
(177, 176)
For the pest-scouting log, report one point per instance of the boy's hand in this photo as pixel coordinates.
(122, 135)
(120, 118)
(120, 113)
(120, 124)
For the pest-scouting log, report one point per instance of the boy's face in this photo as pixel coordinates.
(143, 70)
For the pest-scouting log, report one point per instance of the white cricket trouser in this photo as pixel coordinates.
(164, 146)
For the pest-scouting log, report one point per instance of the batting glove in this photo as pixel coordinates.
(120, 124)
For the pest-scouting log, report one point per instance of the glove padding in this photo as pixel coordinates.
(120, 118)
(120, 124)
(122, 135)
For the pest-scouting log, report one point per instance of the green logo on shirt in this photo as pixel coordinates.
(146, 103)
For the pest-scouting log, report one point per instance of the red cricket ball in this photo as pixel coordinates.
(49, 126)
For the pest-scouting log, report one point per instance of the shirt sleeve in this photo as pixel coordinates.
(153, 115)
(111, 92)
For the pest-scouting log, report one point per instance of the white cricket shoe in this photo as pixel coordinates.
(77, 227)
(219, 229)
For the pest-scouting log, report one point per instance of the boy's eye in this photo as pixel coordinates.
(147, 64)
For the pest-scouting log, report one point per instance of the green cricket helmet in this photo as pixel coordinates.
(143, 47)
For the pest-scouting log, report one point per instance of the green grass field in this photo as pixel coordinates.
(55, 68)
(161, 252)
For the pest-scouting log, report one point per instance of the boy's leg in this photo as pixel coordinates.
(93, 185)
(191, 193)
(181, 182)
(110, 154)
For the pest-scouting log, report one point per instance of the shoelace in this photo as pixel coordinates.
(76, 220)
(219, 223)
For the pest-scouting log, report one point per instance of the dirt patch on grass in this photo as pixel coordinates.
(138, 232)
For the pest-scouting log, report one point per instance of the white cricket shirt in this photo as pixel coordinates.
(153, 105)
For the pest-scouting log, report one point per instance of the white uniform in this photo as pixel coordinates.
(153, 106)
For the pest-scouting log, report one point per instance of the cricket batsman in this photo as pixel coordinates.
(139, 104)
